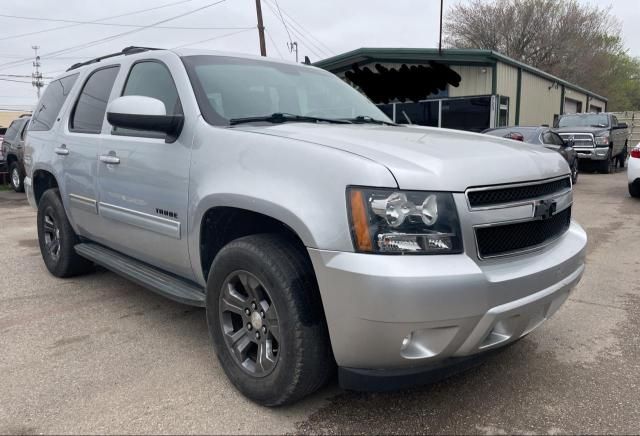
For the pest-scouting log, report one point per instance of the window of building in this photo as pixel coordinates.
(503, 117)
(88, 114)
(472, 114)
(51, 102)
(425, 113)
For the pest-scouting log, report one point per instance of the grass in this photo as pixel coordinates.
(5, 187)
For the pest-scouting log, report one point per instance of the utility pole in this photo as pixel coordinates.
(440, 43)
(293, 47)
(36, 76)
(263, 44)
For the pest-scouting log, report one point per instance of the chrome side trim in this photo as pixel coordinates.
(84, 203)
(142, 220)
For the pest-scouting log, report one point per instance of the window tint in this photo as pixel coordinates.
(49, 106)
(91, 106)
(151, 79)
(13, 130)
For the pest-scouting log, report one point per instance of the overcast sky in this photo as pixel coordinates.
(324, 28)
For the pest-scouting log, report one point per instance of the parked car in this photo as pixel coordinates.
(13, 152)
(633, 172)
(316, 232)
(597, 137)
(3, 162)
(541, 135)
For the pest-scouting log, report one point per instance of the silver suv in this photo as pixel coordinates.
(316, 233)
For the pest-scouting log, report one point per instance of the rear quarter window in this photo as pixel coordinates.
(51, 102)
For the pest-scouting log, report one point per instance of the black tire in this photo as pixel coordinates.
(52, 220)
(634, 190)
(574, 172)
(607, 166)
(622, 158)
(16, 178)
(304, 361)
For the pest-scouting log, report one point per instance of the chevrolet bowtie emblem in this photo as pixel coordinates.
(544, 209)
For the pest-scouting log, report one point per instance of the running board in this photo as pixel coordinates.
(152, 278)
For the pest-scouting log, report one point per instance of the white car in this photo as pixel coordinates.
(633, 172)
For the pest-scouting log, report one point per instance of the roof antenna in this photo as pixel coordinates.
(307, 61)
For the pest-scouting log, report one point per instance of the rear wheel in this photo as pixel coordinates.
(57, 238)
(634, 189)
(266, 321)
(622, 158)
(16, 177)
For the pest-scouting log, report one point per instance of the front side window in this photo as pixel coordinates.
(51, 102)
(88, 114)
(151, 79)
(230, 88)
(12, 131)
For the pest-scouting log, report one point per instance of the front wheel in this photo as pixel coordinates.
(607, 166)
(574, 172)
(16, 177)
(57, 238)
(266, 321)
(634, 190)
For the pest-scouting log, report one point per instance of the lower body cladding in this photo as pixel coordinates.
(402, 316)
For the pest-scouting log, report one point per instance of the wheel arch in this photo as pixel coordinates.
(223, 223)
(42, 180)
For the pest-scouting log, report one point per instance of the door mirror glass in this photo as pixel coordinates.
(622, 125)
(146, 114)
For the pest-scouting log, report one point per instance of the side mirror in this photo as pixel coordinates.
(623, 125)
(145, 114)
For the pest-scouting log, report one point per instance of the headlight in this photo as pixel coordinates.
(403, 222)
(602, 140)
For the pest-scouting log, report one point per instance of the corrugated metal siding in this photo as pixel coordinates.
(538, 103)
(508, 86)
(475, 81)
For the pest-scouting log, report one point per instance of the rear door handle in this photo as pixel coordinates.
(62, 150)
(110, 159)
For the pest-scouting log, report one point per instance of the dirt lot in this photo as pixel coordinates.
(97, 354)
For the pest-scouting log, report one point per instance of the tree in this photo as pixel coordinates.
(579, 43)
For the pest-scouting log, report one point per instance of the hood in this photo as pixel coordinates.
(425, 158)
(595, 130)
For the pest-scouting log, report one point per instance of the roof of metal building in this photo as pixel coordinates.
(363, 56)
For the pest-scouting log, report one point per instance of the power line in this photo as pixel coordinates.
(139, 11)
(283, 23)
(94, 23)
(214, 38)
(301, 29)
(112, 37)
(274, 44)
(308, 43)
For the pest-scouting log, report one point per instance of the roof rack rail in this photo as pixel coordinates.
(125, 52)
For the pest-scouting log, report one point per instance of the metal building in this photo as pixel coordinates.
(490, 89)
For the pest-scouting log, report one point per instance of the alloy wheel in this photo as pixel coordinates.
(250, 324)
(51, 236)
(15, 178)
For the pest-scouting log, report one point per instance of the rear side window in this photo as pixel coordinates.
(49, 106)
(151, 79)
(88, 114)
(12, 131)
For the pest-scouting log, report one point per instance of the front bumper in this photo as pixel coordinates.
(28, 189)
(593, 153)
(441, 307)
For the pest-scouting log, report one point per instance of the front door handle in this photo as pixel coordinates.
(62, 150)
(110, 158)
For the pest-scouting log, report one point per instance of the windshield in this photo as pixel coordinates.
(231, 88)
(591, 120)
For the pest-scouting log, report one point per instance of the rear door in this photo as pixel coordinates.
(144, 196)
(79, 149)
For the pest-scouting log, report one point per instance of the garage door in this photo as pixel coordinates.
(570, 106)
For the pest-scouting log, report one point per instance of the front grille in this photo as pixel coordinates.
(510, 238)
(514, 194)
(579, 139)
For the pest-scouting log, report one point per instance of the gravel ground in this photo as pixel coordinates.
(97, 354)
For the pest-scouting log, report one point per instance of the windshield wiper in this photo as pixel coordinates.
(366, 119)
(280, 117)
(598, 125)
